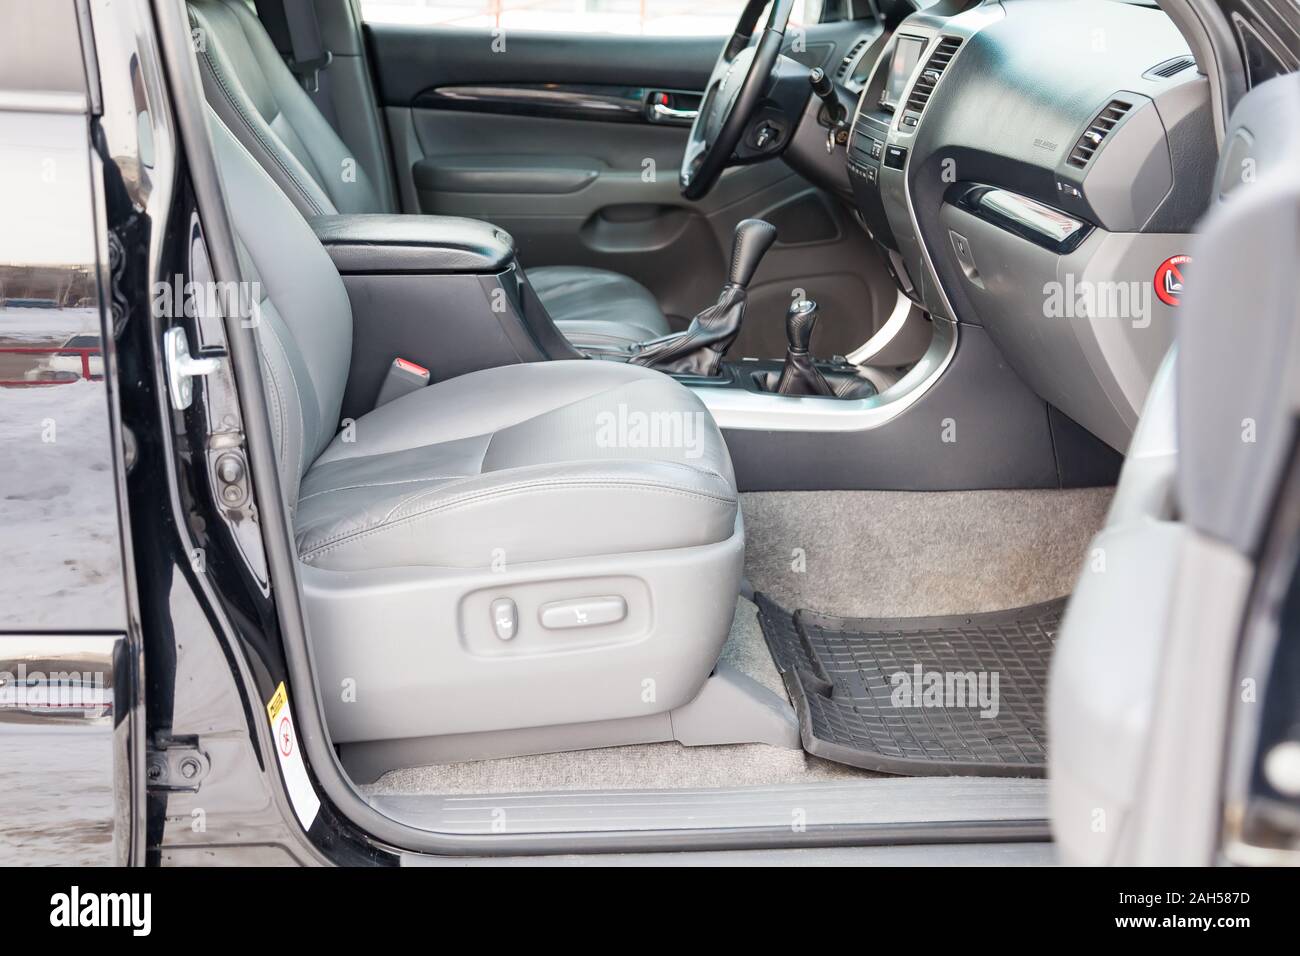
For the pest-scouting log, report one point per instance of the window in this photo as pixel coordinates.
(648, 17)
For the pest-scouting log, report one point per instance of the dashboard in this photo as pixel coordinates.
(1035, 167)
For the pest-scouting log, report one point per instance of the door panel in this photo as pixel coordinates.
(413, 59)
(574, 189)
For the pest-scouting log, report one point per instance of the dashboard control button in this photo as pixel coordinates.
(895, 156)
(877, 147)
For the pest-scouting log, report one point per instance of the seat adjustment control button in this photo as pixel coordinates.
(582, 612)
(505, 618)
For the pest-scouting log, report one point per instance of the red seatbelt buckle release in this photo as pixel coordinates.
(406, 365)
(403, 376)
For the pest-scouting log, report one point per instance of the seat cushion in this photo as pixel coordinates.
(519, 464)
(598, 307)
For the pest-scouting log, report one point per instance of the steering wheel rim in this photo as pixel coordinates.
(733, 92)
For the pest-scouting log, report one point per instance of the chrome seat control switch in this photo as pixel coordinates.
(505, 618)
(582, 612)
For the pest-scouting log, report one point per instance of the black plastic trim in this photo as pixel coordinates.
(422, 245)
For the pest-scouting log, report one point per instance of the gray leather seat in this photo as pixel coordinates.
(586, 485)
(599, 307)
(511, 458)
(258, 98)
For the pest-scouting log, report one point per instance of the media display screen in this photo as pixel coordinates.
(907, 51)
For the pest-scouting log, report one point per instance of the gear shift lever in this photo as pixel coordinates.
(800, 376)
(699, 350)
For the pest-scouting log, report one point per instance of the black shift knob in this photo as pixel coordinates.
(799, 322)
(753, 238)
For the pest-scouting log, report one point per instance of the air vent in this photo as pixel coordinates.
(843, 69)
(934, 68)
(1097, 131)
(1162, 71)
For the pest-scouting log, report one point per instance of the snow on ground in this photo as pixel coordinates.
(60, 561)
(34, 326)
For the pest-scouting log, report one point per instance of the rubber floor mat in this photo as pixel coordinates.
(923, 696)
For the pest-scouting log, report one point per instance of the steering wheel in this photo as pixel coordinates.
(734, 90)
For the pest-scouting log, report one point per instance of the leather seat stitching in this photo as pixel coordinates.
(542, 483)
(302, 420)
(279, 398)
(252, 128)
(338, 541)
(378, 484)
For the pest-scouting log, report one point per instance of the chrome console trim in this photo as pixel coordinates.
(886, 334)
(739, 408)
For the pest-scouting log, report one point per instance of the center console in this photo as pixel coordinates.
(439, 292)
(896, 89)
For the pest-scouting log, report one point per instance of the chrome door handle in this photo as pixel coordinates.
(666, 114)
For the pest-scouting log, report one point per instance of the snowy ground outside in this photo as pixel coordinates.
(57, 806)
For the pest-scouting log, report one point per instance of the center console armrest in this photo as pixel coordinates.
(440, 292)
(427, 245)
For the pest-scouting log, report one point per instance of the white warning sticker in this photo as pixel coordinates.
(301, 793)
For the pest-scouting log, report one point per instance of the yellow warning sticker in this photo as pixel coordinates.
(301, 792)
(278, 700)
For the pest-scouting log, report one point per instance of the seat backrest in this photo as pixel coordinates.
(304, 319)
(256, 95)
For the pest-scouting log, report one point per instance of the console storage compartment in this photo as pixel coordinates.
(444, 292)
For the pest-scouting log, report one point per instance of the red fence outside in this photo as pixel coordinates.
(82, 353)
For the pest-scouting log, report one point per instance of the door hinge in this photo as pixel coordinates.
(176, 764)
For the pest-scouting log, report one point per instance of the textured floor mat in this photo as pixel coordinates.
(924, 696)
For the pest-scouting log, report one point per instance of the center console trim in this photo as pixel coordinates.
(741, 409)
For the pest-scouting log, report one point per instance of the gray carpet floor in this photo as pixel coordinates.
(644, 766)
(865, 554)
(912, 554)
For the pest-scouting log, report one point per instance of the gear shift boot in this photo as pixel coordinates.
(699, 350)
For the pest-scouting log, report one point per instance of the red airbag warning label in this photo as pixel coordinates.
(1169, 279)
